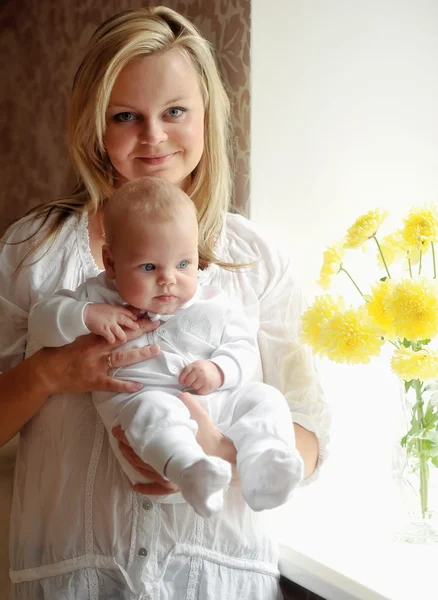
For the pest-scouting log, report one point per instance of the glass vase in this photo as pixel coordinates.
(415, 475)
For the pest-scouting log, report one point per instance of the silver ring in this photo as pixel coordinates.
(109, 361)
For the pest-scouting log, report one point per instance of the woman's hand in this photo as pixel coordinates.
(212, 441)
(159, 485)
(84, 365)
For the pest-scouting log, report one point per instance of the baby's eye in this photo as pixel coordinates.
(147, 267)
(183, 264)
(176, 111)
(124, 117)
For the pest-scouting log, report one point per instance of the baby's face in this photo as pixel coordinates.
(155, 264)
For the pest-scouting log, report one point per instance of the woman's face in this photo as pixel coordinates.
(155, 120)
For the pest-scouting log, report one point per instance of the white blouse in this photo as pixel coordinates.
(78, 531)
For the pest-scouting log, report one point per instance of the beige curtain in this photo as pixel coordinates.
(41, 44)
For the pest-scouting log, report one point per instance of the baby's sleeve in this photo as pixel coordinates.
(59, 319)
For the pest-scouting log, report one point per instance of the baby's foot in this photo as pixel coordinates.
(203, 484)
(268, 478)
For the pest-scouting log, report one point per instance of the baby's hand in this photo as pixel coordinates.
(107, 321)
(203, 376)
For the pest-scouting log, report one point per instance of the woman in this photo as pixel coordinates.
(147, 100)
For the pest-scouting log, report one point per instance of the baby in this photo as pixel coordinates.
(207, 345)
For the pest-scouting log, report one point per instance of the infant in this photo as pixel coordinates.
(208, 347)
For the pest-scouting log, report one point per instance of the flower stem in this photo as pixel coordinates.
(424, 469)
(351, 279)
(420, 264)
(410, 267)
(381, 254)
(433, 258)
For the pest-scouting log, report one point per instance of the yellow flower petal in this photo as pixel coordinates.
(315, 317)
(350, 337)
(332, 263)
(393, 248)
(364, 228)
(421, 228)
(414, 304)
(408, 364)
(378, 307)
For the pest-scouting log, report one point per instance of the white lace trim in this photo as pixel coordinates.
(196, 562)
(63, 567)
(89, 486)
(91, 269)
(135, 511)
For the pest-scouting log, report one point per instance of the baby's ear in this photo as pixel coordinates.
(108, 262)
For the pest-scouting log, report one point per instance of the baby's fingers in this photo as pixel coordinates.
(129, 324)
(191, 379)
(204, 388)
(128, 313)
(118, 332)
(108, 334)
(184, 374)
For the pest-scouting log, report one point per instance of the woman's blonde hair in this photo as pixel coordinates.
(119, 41)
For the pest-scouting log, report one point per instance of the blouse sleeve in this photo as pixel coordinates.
(15, 297)
(287, 364)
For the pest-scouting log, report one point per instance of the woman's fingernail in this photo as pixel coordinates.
(155, 349)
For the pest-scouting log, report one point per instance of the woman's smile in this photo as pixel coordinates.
(156, 160)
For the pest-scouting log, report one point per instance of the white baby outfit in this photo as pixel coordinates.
(158, 425)
(78, 531)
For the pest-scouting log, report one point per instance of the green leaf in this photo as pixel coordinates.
(383, 279)
(408, 385)
(424, 342)
(435, 461)
(406, 343)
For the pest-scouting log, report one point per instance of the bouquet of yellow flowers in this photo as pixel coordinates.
(399, 308)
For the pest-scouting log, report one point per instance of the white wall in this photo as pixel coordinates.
(344, 118)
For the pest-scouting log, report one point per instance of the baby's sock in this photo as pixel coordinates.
(203, 483)
(269, 476)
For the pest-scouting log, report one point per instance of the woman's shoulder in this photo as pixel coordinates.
(246, 241)
(32, 225)
(32, 231)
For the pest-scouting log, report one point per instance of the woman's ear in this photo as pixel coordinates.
(108, 262)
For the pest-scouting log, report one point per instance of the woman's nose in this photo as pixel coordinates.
(152, 132)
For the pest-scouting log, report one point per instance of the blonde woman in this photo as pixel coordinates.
(147, 100)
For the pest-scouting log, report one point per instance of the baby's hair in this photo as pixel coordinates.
(144, 199)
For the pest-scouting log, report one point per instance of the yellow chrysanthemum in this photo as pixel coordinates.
(364, 228)
(315, 317)
(332, 263)
(378, 307)
(393, 248)
(414, 304)
(408, 364)
(350, 336)
(421, 227)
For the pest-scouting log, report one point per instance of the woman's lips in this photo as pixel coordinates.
(156, 160)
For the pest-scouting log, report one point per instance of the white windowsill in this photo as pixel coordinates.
(345, 551)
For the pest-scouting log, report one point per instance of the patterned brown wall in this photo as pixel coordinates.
(41, 45)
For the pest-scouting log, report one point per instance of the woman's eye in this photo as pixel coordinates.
(124, 117)
(147, 267)
(176, 112)
(183, 264)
